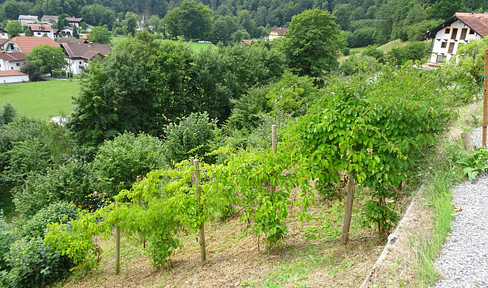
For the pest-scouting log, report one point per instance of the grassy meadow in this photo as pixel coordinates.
(195, 46)
(40, 100)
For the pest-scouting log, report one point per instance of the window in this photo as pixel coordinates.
(451, 48)
(18, 64)
(440, 59)
(464, 31)
(447, 31)
(454, 33)
(443, 44)
(471, 31)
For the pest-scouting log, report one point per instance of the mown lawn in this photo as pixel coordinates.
(40, 100)
(195, 46)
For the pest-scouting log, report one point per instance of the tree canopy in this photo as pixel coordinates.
(313, 43)
(191, 20)
(47, 58)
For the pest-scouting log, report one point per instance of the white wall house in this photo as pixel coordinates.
(41, 30)
(455, 32)
(78, 55)
(7, 77)
(27, 19)
(13, 61)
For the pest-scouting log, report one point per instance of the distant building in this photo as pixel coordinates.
(41, 30)
(7, 77)
(12, 61)
(277, 33)
(72, 21)
(455, 32)
(26, 44)
(3, 34)
(79, 54)
(27, 19)
(49, 19)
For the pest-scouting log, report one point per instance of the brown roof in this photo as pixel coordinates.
(40, 27)
(72, 41)
(476, 21)
(86, 51)
(26, 44)
(73, 19)
(280, 31)
(11, 73)
(3, 41)
(12, 56)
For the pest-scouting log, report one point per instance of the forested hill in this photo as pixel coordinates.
(368, 21)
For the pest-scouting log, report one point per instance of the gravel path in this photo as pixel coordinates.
(463, 261)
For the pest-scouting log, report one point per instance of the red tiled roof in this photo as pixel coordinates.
(13, 56)
(40, 27)
(476, 21)
(86, 51)
(280, 31)
(26, 44)
(11, 73)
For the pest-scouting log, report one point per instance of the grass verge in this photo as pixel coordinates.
(438, 194)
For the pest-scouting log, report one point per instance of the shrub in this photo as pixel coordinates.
(7, 237)
(26, 157)
(119, 161)
(20, 129)
(73, 182)
(32, 263)
(57, 212)
(412, 51)
(191, 137)
(355, 64)
(7, 113)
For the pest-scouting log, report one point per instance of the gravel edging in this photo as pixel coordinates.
(463, 261)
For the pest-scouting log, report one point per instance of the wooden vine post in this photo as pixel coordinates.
(485, 98)
(348, 214)
(273, 137)
(198, 191)
(117, 247)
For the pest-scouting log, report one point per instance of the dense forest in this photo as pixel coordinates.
(366, 21)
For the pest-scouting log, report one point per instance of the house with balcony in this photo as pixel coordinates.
(455, 32)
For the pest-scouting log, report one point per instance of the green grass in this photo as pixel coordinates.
(438, 195)
(384, 48)
(393, 44)
(195, 46)
(40, 100)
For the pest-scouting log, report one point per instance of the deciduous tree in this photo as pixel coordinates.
(313, 43)
(99, 35)
(13, 28)
(47, 58)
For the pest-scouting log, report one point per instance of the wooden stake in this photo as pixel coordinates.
(468, 144)
(273, 137)
(117, 248)
(198, 195)
(348, 214)
(485, 99)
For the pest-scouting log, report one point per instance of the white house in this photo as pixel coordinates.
(455, 32)
(277, 33)
(3, 34)
(12, 61)
(7, 77)
(41, 30)
(79, 54)
(27, 19)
